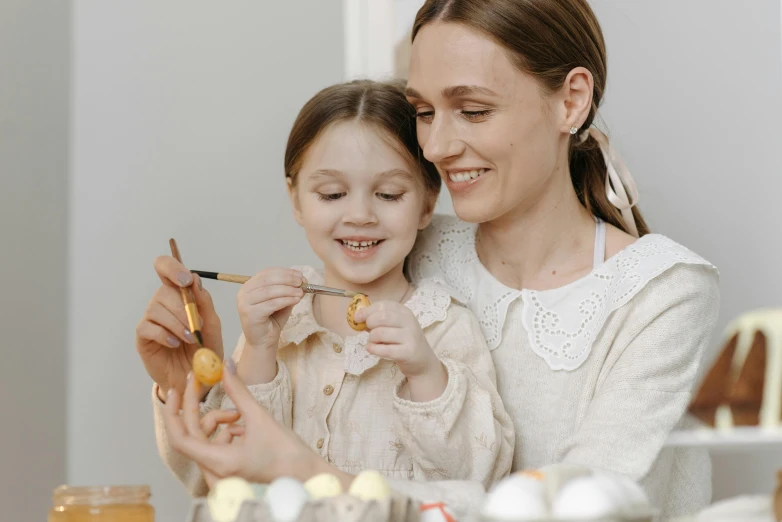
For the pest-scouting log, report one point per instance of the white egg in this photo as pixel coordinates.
(517, 497)
(285, 498)
(435, 512)
(226, 497)
(585, 498)
(369, 485)
(630, 495)
(324, 485)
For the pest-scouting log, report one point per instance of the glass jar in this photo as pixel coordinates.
(101, 504)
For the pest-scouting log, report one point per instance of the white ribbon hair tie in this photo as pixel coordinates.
(620, 185)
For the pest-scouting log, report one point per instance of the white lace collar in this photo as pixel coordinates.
(429, 303)
(562, 323)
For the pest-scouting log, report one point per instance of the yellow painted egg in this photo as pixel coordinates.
(370, 485)
(226, 497)
(324, 485)
(359, 301)
(207, 367)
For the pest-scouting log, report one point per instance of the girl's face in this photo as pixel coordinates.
(361, 203)
(498, 141)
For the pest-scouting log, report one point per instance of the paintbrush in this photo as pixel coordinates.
(193, 319)
(306, 287)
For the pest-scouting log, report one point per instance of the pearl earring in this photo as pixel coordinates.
(573, 130)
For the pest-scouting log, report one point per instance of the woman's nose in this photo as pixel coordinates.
(441, 142)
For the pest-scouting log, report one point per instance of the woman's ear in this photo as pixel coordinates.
(293, 195)
(428, 210)
(576, 98)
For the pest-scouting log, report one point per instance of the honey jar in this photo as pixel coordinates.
(101, 504)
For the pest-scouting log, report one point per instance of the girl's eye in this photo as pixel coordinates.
(390, 197)
(425, 116)
(476, 115)
(330, 197)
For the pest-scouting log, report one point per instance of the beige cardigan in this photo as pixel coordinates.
(596, 373)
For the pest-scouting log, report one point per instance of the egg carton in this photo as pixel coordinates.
(344, 508)
(639, 518)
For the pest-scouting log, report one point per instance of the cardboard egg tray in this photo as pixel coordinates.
(645, 518)
(344, 508)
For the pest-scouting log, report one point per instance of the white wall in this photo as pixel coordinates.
(694, 104)
(181, 112)
(34, 63)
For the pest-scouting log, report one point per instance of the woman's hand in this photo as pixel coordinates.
(261, 451)
(163, 339)
(395, 334)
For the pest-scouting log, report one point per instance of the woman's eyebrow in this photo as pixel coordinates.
(456, 91)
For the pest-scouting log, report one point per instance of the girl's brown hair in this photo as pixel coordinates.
(548, 39)
(380, 105)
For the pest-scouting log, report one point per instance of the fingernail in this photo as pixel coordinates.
(172, 341)
(184, 278)
(230, 365)
(189, 376)
(189, 336)
(200, 283)
(201, 320)
(169, 394)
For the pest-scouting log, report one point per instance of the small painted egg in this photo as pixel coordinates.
(207, 367)
(585, 498)
(226, 497)
(435, 512)
(370, 485)
(324, 485)
(285, 498)
(517, 498)
(359, 301)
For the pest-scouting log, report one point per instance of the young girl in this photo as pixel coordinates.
(414, 396)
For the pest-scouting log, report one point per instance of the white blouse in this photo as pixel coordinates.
(595, 373)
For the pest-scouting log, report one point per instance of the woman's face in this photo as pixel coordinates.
(498, 141)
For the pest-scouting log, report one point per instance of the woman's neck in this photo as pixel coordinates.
(540, 247)
(331, 312)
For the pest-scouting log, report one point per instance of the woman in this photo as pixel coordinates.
(597, 329)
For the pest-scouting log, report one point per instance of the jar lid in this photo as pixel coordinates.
(99, 495)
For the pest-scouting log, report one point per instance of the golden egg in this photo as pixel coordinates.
(207, 367)
(323, 485)
(370, 485)
(359, 301)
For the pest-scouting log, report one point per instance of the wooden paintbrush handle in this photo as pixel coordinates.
(187, 296)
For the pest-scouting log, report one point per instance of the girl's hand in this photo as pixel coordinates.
(395, 334)
(265, 303)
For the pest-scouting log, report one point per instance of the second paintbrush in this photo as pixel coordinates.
(306, 287)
